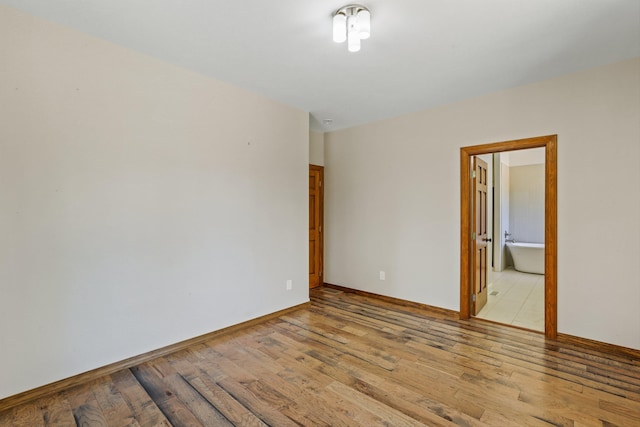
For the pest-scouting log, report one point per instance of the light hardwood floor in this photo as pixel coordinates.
(354, 360)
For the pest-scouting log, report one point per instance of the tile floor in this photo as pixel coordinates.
(518, 299)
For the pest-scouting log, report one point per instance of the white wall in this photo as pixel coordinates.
(526, 203)
(316, 148)
(392, 196)
(140, 204)
(501, 214)
(505, 186)
(532, 156)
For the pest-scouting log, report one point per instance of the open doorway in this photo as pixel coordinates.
(514, 238)
(473, 238)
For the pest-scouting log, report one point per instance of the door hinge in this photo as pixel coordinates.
(319, 229)
(473, 174)
(473, 297)
(319, 183)
(473, 236)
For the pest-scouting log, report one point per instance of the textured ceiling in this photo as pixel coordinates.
(421, 54)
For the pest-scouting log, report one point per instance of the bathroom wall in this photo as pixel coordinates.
(531, 156)
(501, 209)
(526, 203)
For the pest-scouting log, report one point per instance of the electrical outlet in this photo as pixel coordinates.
(289, 284)
(383, 276)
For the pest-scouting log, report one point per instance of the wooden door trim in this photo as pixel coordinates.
(549, 143)
(320, 170)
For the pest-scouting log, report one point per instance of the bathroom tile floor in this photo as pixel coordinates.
(515, 298)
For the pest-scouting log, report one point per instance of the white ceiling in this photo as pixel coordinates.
(421, 54)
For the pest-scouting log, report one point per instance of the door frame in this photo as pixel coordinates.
(549, 143)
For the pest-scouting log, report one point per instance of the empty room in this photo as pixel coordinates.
(319, 213)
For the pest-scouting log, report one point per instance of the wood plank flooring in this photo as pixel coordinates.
(352, 360)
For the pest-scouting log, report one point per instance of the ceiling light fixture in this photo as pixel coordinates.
(351, 23)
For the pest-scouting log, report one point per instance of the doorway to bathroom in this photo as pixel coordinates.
(476, 260)
(513, 205)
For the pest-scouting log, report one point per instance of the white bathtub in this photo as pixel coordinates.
(527, 257)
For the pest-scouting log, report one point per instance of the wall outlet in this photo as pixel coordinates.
(289, 284)
(383, 276)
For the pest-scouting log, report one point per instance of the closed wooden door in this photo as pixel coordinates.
(479, 235)
(316, 207)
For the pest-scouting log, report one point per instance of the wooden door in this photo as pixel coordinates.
(316, 207)
(479, 235)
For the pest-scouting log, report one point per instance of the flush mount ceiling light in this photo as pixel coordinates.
(351, 23)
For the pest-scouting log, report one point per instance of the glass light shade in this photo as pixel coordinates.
(353, 41)
(339, 28)
(352, 26)
(364, 22)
